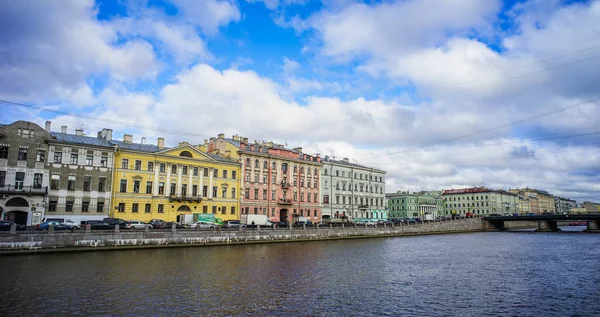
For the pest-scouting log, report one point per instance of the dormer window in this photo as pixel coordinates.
(185, 154)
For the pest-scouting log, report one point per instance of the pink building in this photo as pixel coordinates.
(278, 182)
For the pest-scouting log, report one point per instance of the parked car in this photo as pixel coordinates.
(100, 225)
(282, 224)
(203, 225)
(67, 222)
(158, 223)
(233, 224)
(116, 221)
(178, 225)
(57, 225)
(135, 224)
(5, 225)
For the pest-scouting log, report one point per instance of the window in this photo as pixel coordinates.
(57, 157)
(54, 182)
(124, 163)
(233, 210)
(224, 173)
(315, 214)
(204, 209)
(194, 190)
(224, 192)
(161, 188)
(205, 172)
(247, 194)
(138, 165)
(71, 183)
(101, 184)
(121, 207)
(148, 187)
(326, 199)
(69, 207)
(3, 152)
(22, 154)
(162, 168)
(195, 171)
(104, 161)
(256, 163)
(150, 166)
(184, 190)
(174, 169)
(233, 174)
(100, 206)
(308, 197)
(19, 178)
(184, 170)
(256, 210)
(74, 158)
(215, 173)
(255, 194)
(223, 210)
(87, 183)
(274, 165)
(161, 208)
(41, 156)
(134, 207)
(316, 198)
(52, 205)
(273, 194)
(123, 188)
(274, 180)
(85, 206)
(89, 160)
(214, 209)
(37, 180)
(214, 191)
(233, 193)
(173, 189)
(147, 208)
(2, 178)
(264, 194)
(204, 191)
(265, 164)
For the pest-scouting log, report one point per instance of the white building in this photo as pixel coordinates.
(352, 190)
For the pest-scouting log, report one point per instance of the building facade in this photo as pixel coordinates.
(280, 183)
(403, 205)
(480, 201)
(81, 169)
(173, 184)
(563, 205)
(545, 201)
(352, 190)
(24, 177)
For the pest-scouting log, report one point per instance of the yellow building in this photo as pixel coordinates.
(173, 184)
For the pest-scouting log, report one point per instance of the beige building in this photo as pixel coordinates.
(545, 201)
(480, 201)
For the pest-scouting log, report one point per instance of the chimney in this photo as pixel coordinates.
(79, 132)
(212, 139)
(236, 137)
(242, 146)
(221, 135)
(63, 129)
(161, 143)
(228, 153)
(347, 160)
(99, 134)
(251, 147)
(260, 148)
(48, 126)
(245, 140)
(205, 142)
(108, 134)
(143, 140)
(128, 138)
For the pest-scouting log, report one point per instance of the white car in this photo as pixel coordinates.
(203, 225)
(67, 222)
(135, 224)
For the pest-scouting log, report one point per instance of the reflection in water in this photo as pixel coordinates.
(521, 273)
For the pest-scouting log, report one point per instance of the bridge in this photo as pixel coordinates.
(544, 222)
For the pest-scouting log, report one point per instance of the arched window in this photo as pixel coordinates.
(256, 163)
(265, 164)
(274, 165)
(185, 154)
(284, 167)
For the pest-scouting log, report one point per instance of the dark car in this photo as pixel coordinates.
(116, 221)
(170, 224)
(282, 224)
(5, 225)
(158, 223)
(100, 225)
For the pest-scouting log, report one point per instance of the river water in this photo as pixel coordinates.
(479, 274)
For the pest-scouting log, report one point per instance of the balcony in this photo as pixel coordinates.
(286, 185)
(23, 190)
(284, 201)
(175, 198)
(196, 199)
(363, 206)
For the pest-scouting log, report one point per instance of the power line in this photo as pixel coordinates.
(489, 129)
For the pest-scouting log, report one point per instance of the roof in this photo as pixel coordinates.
(342, 162)
(233, 142)
(79, 139)
(476, 190)
(150, 148)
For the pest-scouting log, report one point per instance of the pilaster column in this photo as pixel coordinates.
(200, 188)
(190, 182)
(156, 179)
(178, 188)
(168, 183)
(210, 183)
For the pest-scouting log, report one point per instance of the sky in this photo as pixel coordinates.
(439, 93)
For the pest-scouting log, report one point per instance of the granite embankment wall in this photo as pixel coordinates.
(109, 240)
(520, 224)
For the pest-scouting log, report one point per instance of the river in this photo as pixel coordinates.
(478, 274)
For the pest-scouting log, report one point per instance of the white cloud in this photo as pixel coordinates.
(210, 15)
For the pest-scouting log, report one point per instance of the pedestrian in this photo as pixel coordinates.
(253, 226)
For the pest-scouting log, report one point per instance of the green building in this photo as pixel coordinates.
(424, 205)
